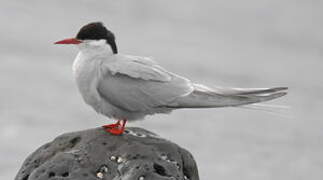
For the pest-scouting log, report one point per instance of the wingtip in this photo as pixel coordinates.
(277, 95)
(284, 88)
(280, 88)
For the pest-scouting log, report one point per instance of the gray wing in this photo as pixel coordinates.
(140, 87)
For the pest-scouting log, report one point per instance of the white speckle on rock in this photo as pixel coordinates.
(141, 178)
(119, 160)
(99, 175)
(141, 135)
(103, 170)
(113, 158)
(164, 157)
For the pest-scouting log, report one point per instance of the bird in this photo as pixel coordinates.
(127, 88)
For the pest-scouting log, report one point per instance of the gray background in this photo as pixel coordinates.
(250, 43)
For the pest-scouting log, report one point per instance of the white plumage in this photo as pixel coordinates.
(131, 87)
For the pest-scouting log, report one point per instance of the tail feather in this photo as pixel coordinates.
(244, 91)
(204, 97)
(256, 98)
(259, 91)
(273, 109)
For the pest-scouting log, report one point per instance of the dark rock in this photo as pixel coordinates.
(95, 154)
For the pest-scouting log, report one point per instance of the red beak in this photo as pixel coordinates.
(69, 41)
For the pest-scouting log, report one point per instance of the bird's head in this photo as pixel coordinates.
(93, 35)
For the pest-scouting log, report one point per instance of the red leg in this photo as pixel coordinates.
(117, 124)
(118, 129)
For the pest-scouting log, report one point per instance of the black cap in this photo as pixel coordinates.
(97, 31)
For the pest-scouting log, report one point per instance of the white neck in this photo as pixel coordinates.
(95, 48)
(92, 54)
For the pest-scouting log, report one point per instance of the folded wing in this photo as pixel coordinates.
(138, 84)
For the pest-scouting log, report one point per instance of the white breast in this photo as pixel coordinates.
(86, 71)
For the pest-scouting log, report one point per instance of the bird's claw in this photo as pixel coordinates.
(109, 126)
(117, 128)
(115, 131)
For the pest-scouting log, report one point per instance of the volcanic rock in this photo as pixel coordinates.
(97, 155)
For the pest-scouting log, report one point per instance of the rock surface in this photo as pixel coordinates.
(94, 154)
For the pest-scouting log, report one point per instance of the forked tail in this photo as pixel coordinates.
(204, 97)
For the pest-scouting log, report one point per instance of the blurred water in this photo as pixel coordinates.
(251, 43)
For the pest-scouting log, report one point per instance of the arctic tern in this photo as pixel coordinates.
(125, 87)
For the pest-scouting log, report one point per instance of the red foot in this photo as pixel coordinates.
(117, 128)
(108, 126)
(115, 131)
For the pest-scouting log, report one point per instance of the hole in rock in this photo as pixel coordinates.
(51, 174)
(160, 169)
(75, 140)
(65, 174)
(25, 177)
